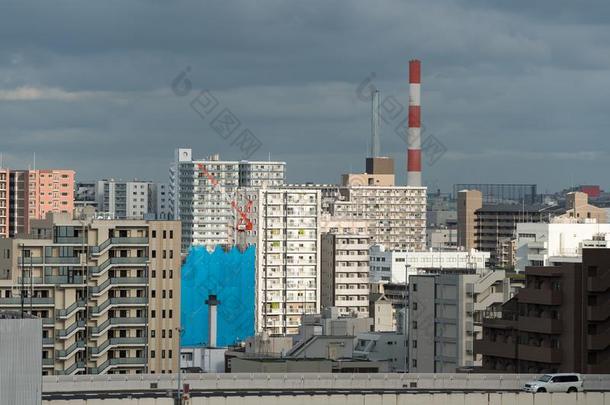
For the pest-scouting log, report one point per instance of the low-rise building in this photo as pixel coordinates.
(396, 266)
(546, 244)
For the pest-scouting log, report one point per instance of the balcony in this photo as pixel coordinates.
(73, 369)
(122, 261)
(121, 301)
(68, 312)
(62, 260)
(48, 342)
(117, 362)
(71, 330)
(600, 283)
(118, 281)
(79, 345)
(598, 342)
(65, 280)
(539, 354)
(35, 301)
(540, 296)
(127, 341)
(540, 325)
(115, 322)
(598, 312)
(124, 241)
(48, 362)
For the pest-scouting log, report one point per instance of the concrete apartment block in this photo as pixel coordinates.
(345, 273)
(108, 292)
(287, 257)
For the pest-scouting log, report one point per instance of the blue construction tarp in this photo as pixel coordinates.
(230, 275)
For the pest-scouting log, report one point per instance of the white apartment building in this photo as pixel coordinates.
(108, 292)
(444, 318)
(392, 265)
(123, 199)
(544, 244)
(345, 273)
(395, 215)
(204, 194)
(287, 237)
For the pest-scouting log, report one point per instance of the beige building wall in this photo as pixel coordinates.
(577, 206)
(164, 296)
(468, 202)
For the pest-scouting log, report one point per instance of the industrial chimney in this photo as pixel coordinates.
(414, 135)
(212, 303)
(375, 124)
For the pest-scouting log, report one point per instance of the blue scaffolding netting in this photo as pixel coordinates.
(230, 276)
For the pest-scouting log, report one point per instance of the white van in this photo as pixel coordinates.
(555, 383)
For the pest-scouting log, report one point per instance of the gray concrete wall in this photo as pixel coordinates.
(235, 381)
(588, 398)
(20, 361)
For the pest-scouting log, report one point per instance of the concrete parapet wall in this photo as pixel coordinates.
(505, 398)
(310, 381)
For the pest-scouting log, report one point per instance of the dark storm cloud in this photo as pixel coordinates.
(516, 91)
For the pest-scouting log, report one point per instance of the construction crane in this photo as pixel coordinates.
(239, 202)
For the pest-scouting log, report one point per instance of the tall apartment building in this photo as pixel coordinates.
(124, 199)
(4, 202)
(108, 292)
(345, 273)
(560, 321)
(395, 215)
(31, 194)
(287, 241)
(443, 312)
(204, 195)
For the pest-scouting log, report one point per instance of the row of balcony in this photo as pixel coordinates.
(125, 341)
(113, 261)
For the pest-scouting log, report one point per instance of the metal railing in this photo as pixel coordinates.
(64, 313)
(118, 301)
(127, 341)
(64, 354)
(62, 333)
(118, 281)
(116, 321)
(117, 361)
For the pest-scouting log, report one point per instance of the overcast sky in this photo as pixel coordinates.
(515, 92)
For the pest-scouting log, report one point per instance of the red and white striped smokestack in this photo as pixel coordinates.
(414, 135)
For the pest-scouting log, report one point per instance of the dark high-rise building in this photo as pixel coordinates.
(560, 321)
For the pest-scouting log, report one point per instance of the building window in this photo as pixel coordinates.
(152, 354)
(154, 234)
(415, 344)
(153, 294)
(154, 254)
(415, 306)
(154, 273)
(414, 324)
(153, 313)
(164, 234)
(171, 234)
(414, 363)
(152, 333)
(414, 287)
